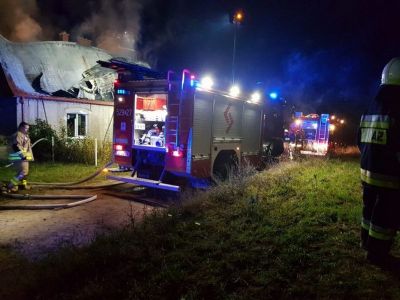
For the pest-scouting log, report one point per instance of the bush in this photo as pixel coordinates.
(42, 150)
(66, 149)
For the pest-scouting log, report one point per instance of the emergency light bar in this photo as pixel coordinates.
(123, 92)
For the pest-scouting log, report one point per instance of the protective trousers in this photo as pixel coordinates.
(22, 168)
(381, 219)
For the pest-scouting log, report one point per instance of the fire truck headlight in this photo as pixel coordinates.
(298, 122)
(206, 82)
(234, 91)
(256, 97)
(120, 99)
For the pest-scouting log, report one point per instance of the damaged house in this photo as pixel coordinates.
(56, 81)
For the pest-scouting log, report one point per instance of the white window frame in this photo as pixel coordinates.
(76, 124)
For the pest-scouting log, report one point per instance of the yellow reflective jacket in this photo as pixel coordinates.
(22, 147)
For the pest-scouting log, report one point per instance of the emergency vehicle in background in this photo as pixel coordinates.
(309, 134)
(170, 130)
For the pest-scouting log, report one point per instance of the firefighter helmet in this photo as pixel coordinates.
(391, 72)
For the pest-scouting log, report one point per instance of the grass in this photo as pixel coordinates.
(288, 233)
(51, 172)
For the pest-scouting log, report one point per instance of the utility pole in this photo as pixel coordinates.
(237, 20)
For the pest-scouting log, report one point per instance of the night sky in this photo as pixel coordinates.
(323, 56)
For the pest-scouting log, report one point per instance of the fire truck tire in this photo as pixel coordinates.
(225, 164)
(273, 147)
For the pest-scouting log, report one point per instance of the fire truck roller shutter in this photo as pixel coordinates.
(202, 124)
(227, 118)
(252, 117)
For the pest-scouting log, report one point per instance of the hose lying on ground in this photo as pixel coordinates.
(77, 187)
(85, 199)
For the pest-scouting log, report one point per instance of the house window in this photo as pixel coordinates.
(76, 125)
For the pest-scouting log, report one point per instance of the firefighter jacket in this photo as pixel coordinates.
(21, 145)
(379, 140)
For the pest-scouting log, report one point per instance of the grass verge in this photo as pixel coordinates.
(51, 172)
(290, 232)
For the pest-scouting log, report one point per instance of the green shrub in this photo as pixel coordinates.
(41, 129)
(66, 149)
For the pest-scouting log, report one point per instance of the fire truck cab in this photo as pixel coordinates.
(170, 130)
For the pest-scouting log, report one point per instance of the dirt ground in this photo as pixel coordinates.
(37, 232)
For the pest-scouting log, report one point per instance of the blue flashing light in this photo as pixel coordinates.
(195, 83)
(122, 92)
(273, 95)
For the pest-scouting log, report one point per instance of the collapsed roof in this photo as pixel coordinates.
(56, 68)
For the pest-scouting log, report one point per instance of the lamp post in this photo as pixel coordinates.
(237, 20)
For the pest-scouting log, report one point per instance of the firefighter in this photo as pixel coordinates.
(154, 131)
(379, 143)
(21, 155)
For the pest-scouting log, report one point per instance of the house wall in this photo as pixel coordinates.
(55, 112)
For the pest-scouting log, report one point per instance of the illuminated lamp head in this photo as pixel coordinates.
(256, 97)
(234, 91)
(207, 82)
(298, 122)
(273, 95)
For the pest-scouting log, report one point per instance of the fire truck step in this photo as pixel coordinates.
(145, 182)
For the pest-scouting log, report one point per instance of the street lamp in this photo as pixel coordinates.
(236, 20)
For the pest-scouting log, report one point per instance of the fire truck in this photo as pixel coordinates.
(169, 130)
(309, 134)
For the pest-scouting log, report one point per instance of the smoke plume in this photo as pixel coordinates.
(115, 27)
(17, 20)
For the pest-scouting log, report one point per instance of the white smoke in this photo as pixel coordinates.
(115, 27)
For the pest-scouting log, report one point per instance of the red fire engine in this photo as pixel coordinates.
(166, 130)
(309, 134)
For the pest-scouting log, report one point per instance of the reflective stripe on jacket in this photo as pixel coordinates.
(21, 144)
(379, 140)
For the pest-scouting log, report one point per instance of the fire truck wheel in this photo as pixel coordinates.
(225, 165)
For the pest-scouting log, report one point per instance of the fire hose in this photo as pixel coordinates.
(85, 199)
(68, 185)
(64, 185)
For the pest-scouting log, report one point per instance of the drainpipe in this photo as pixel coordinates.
(21, 101)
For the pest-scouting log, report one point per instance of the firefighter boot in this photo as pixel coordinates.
(24, 185)
(378, 255)
(11, 188)
(386, 262)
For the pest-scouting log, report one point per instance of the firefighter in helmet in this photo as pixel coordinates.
(379, 143)
(154, 131)
(21, 155)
